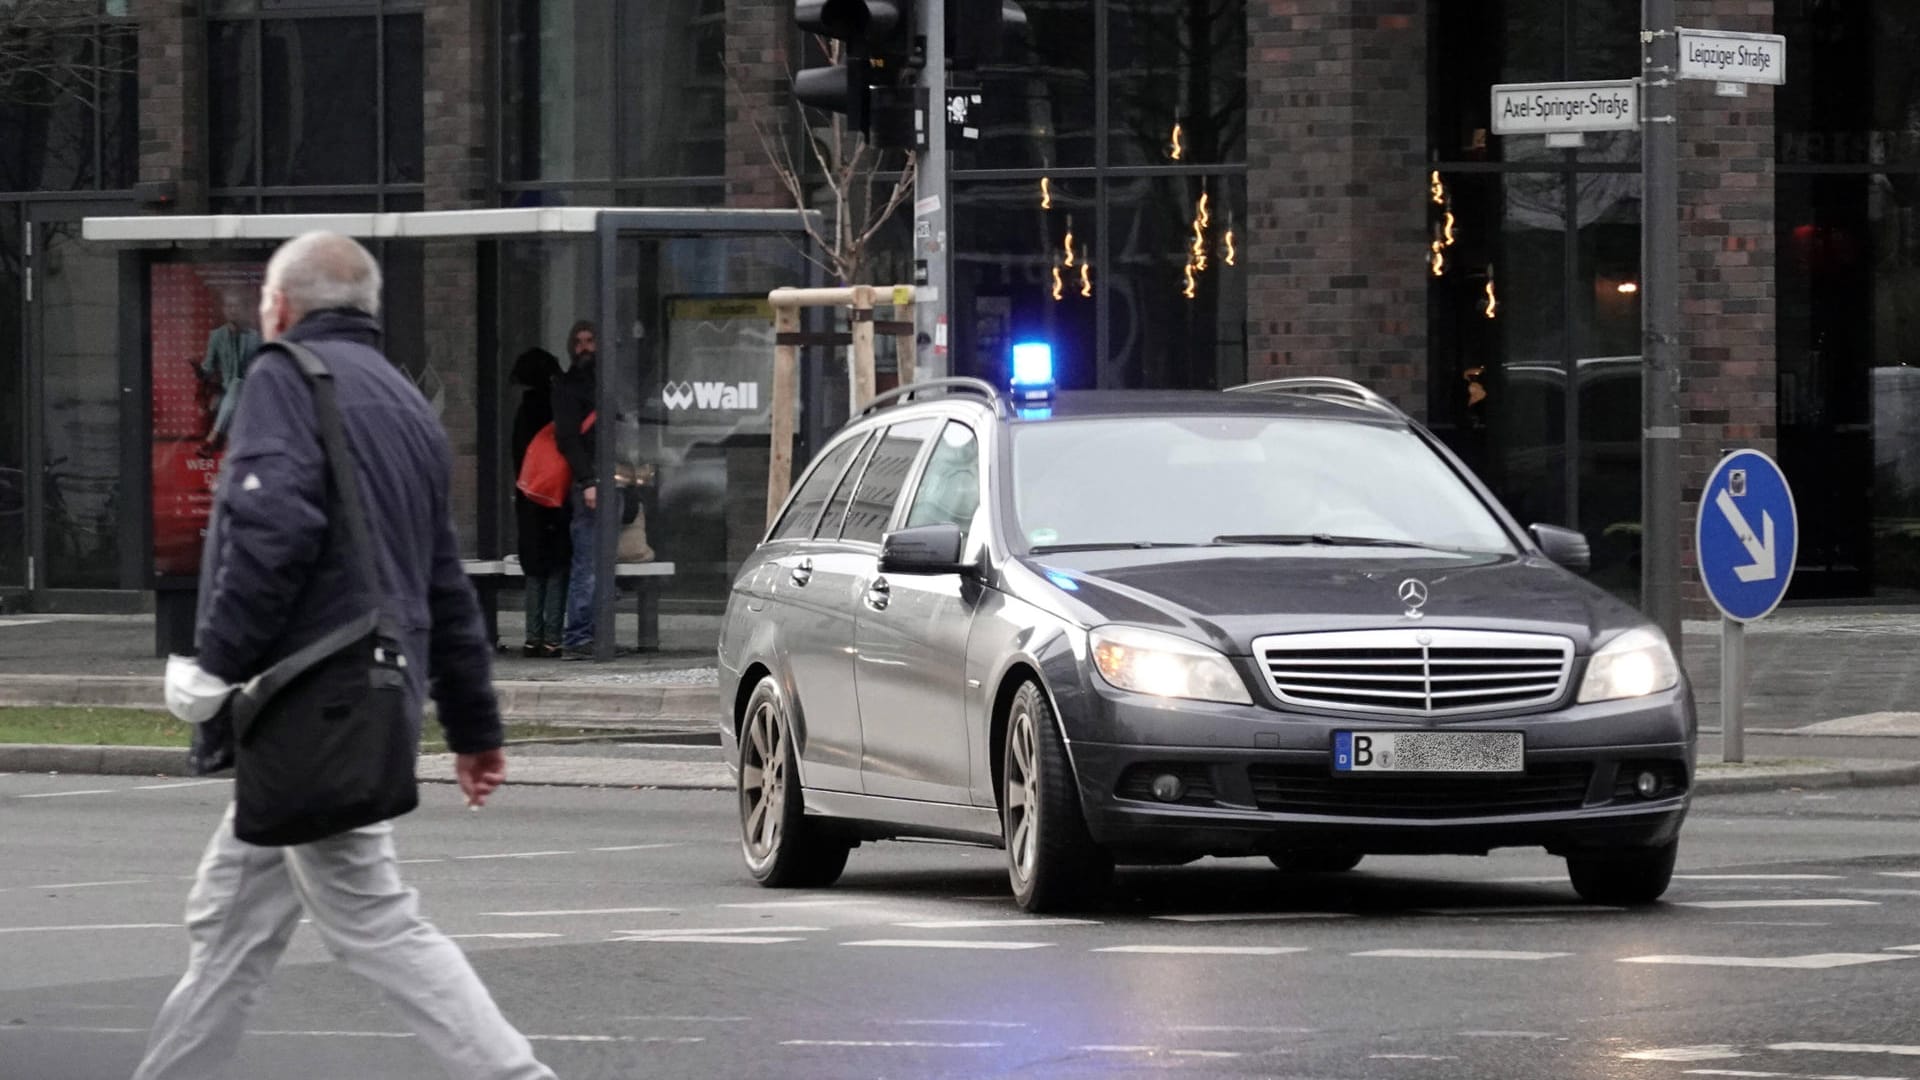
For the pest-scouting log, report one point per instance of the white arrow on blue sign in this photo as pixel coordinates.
(1746, 536)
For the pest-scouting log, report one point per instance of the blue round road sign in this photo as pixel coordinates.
(1746, 535)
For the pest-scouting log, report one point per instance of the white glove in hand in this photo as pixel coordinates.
(192, 694)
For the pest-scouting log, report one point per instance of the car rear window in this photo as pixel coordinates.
(1190, 480)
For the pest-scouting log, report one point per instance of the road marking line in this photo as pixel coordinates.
(1547, 879)
(676, 933)
(1708, 1052)
(890, 1043)
(1107, 1048)
(1511, 1035)
(690, 1019)
(983, 924)
(575, 911)
(516, 855)
(707, 940)
(1237, 1029)
(1848, 1048)
(1758, 877)
(1460, 954)
(1255, 916)
(937, 943)
(416, 862)
(177, 784)
(1784, 1076)
(523, 936)
(95, 926)
(617, 1038)
(636, 847)
(90, 884)
(778, 904)
(1899, 873)
(1205, 950)
(1731, 905)
(1904, 948)
(1809, 962)
(1413, 1057)
(1527, 909)
(955, 1023)
(64, 794)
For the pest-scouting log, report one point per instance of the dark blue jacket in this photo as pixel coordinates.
(272, 580)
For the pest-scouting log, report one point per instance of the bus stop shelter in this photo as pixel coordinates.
(678, 297)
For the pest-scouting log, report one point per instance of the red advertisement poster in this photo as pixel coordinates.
(202, 323)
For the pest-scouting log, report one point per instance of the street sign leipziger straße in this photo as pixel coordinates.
(1566, 107)
(1729, 57)
(1745, 538)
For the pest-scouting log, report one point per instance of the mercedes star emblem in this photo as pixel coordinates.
(1413, 593)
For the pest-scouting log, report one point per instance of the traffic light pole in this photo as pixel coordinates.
(1660, 321)
(931, 251)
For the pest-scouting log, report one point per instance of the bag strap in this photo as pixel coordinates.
(346, 481)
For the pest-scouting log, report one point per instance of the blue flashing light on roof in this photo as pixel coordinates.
(1032, 371)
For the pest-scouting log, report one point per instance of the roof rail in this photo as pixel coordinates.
(956, 385)
(1321, 385)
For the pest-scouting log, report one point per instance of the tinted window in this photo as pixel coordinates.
(837, 507)
(1187, 480)
(805, 507)
(885, 475)
(950, 488)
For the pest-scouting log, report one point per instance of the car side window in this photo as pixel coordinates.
(804, 510)
(949, 490)
(843, 494)
(885, 476)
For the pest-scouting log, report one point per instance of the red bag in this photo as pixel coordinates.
(545, 477)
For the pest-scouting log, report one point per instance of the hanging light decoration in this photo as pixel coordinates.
(1437, 256)
(1046, 194)
(1086, 278)
(1188, 292)
(1069, 262)
(1448, 234)
(1200, 220)
(1228, 237)
(1176, 150)
(1058, 288)
(1437, 188)
(1493, 301)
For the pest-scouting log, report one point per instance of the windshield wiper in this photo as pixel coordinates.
(1109, 545)
(1325, 539)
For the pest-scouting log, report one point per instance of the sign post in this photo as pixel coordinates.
(1746, 536)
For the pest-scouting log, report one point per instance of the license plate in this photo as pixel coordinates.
(1429, 751)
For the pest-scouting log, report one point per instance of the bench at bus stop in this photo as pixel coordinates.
(645, 579)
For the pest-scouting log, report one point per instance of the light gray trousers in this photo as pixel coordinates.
(243, 909)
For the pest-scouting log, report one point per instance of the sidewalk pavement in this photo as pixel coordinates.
(1834, 700)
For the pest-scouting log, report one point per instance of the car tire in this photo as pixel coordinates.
(1052, 861)
(783, 849)
(1317, 862)
(1625, 877)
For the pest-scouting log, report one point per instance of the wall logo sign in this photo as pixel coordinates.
(713, 396)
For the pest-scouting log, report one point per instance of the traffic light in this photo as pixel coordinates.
(981, 31)
(877, 37)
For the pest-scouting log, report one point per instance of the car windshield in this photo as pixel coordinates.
(1151, 481)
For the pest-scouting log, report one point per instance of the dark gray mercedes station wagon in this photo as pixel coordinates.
(1140, 627)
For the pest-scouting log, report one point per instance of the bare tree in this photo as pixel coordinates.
(852, 177)
(51, 52)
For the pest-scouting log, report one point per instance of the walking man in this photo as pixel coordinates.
(274, 581)
(574, 395)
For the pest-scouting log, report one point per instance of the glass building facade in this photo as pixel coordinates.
(1112, 204)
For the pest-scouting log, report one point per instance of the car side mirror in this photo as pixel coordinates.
(924, 549)
(1566, 547)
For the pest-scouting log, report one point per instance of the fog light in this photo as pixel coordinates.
(1168, 788)
(1647, 784)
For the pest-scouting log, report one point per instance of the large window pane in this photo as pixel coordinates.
(1017, 275)
(232, 67)
(1037, 108)
(1177, 287)
(558, 88)
(47, 115)
(1474, 44)
(1606, 335)
(1851, 96)
(320, 105)
(82, 487)
(673, 101)
(406, 125)
(1177, 63)
(119, 108)
(13, 404)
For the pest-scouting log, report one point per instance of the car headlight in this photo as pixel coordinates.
(1150, 662)
(1635, 664)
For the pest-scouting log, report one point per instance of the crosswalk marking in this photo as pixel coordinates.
(561, 912)
(1109, 1048)
(1255, 916)
(1809, 962)
(708, 939)
(1759, 1075)
(1757, 877)
(522, 936)
(891, 1043)
(718, 931)
(1205, 950)
(778, 904)
(1460, 954)
(1733, 905)
(1848, 1048)
(1527, 909)
(937, 943)
(1707, 1052)
(512, 855)
(983, 924)
(1900, 873)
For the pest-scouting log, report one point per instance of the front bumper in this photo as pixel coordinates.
(1258, 781)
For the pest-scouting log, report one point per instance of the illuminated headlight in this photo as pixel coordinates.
(1150, 662)
(1635, 664)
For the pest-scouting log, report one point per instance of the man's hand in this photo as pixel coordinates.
(480, 774)
(591, 495)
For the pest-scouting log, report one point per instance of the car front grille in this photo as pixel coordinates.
(1311, 789)
(1416, 672)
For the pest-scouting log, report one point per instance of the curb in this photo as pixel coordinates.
(693, 706)
(1851, 775)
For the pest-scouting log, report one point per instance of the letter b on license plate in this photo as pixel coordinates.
(1428, 751)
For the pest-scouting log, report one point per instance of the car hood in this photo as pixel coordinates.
(1229, 596)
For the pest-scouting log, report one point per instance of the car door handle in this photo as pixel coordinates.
(803, 573)
(878, 594)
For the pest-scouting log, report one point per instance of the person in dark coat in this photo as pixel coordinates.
(574, 395)
(275, 577)
(545, 548)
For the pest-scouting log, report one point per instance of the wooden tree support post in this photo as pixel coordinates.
(863, 377)
(786, 408)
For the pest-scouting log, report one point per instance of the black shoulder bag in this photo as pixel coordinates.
(324, 739)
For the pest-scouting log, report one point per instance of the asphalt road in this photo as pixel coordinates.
(617, 929)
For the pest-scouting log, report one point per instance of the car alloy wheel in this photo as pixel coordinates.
(1052, 861)
(783, 849)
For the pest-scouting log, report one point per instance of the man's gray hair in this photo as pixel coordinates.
(322, 270)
